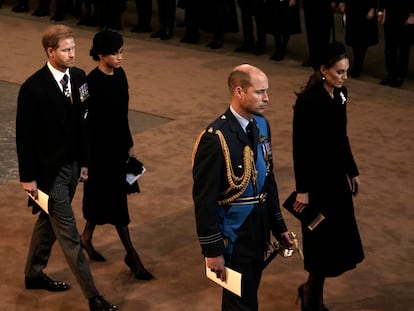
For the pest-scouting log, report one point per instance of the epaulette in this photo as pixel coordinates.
(217, 124)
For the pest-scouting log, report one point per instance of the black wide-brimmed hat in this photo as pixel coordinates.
(106, 42)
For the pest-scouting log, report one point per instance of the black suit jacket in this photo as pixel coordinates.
(50, 132)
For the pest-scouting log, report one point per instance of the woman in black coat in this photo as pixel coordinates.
(361, 29)
(105, 191)
(326, 176)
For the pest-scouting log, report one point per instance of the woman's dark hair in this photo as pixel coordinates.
(328, 57)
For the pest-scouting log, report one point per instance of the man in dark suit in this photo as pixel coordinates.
(398, 19)
(51, 145)
(166, 19)
(144, 16)
(235, 192)
(250, 9)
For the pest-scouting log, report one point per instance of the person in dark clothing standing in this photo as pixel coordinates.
(41, 10)
(319, 22)
(111, 146)
(361, 30)
(166, 19)
(109, 13)
(52, 153)
(218, 17)
(398, 19)
(253, 9)
(192, 21)
(21, 6)
(282, 20)
(326, 176)
(144, 16)
(235, 192)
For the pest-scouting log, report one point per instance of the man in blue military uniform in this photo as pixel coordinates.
(235, 192)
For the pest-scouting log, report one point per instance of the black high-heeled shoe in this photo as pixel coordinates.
(141, 275)
(92, 253)
(302, 302)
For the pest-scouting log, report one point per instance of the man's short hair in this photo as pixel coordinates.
(239, 78)
(53, 34)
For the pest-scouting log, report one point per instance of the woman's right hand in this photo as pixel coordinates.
(302, 201)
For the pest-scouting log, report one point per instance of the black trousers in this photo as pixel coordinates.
(248, 13)
(397, 49)
(192, 17)
(60, 225)
(144, 12)
(319, 27)
(251, 275)
(166, 14)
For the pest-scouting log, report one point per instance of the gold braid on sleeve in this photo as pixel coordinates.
(238, 183)
(197, 142)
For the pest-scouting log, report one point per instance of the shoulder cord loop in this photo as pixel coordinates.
(236, 182)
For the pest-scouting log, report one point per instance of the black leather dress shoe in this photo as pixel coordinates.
(57, 18)
(44, 282)
(20, 8)
(158, 34)
(98, 303)
(141, 29)
(215, 44)
(191, 39)
(245, 47)
(277, 56)
(397, 82)
(41, 12)
(387, 80)
(167, 35)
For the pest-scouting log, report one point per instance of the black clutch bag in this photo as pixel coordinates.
(309, 216)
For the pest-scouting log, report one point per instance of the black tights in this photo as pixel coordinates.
(313, 293)
(125, 237)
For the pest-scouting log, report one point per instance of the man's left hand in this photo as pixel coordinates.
(285, 239)
(83, 174)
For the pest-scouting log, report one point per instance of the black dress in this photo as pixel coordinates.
(105, 198)
(322, 161)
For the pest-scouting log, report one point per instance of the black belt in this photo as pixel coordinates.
(260, 198)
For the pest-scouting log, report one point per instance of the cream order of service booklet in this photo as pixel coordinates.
(232, 283)
(42, 200)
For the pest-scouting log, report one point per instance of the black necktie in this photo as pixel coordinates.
(252, 132)
(249, 131)
(65, 85)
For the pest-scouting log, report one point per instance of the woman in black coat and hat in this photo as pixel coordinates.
(111, 146)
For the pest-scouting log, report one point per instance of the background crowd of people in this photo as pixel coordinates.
(256, 19)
